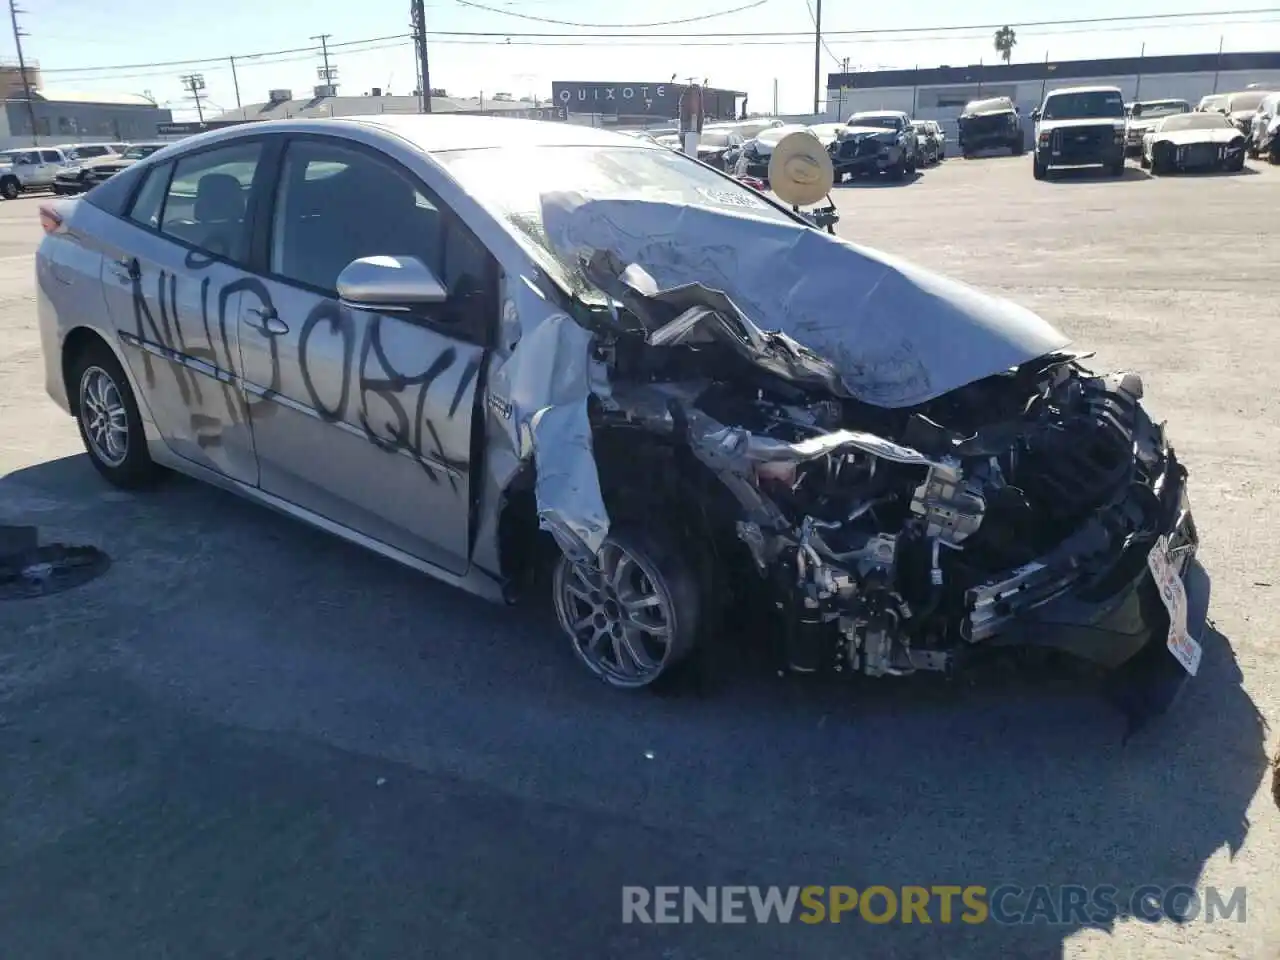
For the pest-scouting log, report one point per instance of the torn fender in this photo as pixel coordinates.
(537, 398)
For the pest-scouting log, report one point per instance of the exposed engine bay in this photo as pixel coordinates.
(894, 540)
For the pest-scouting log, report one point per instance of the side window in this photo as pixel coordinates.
(337, 204)
(50, 156)
(208, 198)
(150, 199)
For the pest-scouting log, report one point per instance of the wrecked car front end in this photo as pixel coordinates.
(908, 470)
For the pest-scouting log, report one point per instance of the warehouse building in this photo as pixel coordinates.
(326, 102)
(939, 93)
(52, 117)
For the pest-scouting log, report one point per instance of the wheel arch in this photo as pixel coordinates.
(77, 340)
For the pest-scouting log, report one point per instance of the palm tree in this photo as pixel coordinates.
(1006, 40)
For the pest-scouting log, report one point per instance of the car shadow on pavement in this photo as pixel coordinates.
(1014, 777)
(1095, 175)
(877, 180)
(1245, 171)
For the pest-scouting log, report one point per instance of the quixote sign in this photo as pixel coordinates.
(636, 99)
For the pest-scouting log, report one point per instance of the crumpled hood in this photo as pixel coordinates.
(852, 132)
(1183, 137)
(897, 334)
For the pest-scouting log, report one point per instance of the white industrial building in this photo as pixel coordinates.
(939, 93)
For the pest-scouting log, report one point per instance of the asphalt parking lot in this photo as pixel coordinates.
(247, 739)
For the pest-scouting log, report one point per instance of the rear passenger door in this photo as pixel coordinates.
(361, 417)
(51, 161)
(174, 277)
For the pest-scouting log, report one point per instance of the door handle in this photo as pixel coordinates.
(130, 267)
(267, 321)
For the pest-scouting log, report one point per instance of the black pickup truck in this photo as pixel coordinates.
(993, 122)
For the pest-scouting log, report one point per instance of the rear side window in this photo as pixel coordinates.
(206, 204)
(51, 156)
(93, 151)
(150, 200)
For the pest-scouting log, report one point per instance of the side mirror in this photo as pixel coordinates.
(1035, 114)
(389, 284)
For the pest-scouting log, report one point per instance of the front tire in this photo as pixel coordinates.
(1017, 148)
(633, 614)
(10, 188)
(107, 414)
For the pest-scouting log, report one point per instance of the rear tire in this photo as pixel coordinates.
(1116, 169)
(106, 412)
(10, 188)
(1018, 148)
(1039, 170)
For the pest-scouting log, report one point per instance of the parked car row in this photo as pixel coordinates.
(67, 168)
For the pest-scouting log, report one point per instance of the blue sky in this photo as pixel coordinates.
(69, 36)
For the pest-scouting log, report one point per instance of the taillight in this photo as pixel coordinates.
(50, 219)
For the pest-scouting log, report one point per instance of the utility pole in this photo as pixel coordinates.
(18, 34)
(195, 83)
(326, 73)
(817, 54)
(236, 80)
(418, 16)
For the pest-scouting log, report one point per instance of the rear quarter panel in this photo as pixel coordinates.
(69, 268)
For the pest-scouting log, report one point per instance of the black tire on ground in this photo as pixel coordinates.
(968, 154)
(1236, 165)
(1274, 155)
(657, 559)
(1157, 167)
(1018, 148)
(1143, 162)
(898, 171)
(1039, 170)
(1116, 169)
(10, 188)
(136, 469)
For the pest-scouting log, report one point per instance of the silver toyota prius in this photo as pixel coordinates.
(473, 343)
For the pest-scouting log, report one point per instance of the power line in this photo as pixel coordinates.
(720, 38)
(616, 26)
(814, 19)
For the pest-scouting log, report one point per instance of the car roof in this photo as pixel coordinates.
(1083, 90)
(877, 113)
(433, 133)
(1154, 103)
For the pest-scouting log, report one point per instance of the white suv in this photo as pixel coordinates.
(34, 168)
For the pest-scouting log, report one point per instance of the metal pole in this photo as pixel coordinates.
(22, 68)
(817, 56)
(775, 96)
(1218, 67)
(1137, 90)
(915, 90)
(236, 80)
(1045, 79)
(324, 52)
(420, 36)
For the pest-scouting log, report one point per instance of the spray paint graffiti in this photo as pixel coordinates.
(366, 369)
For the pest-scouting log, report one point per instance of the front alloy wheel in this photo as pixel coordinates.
(632, 614)
(9, 189)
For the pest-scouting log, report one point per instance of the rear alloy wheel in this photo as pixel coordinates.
(633, 614)
(107, 415)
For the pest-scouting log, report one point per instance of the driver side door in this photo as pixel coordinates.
(366, 419)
